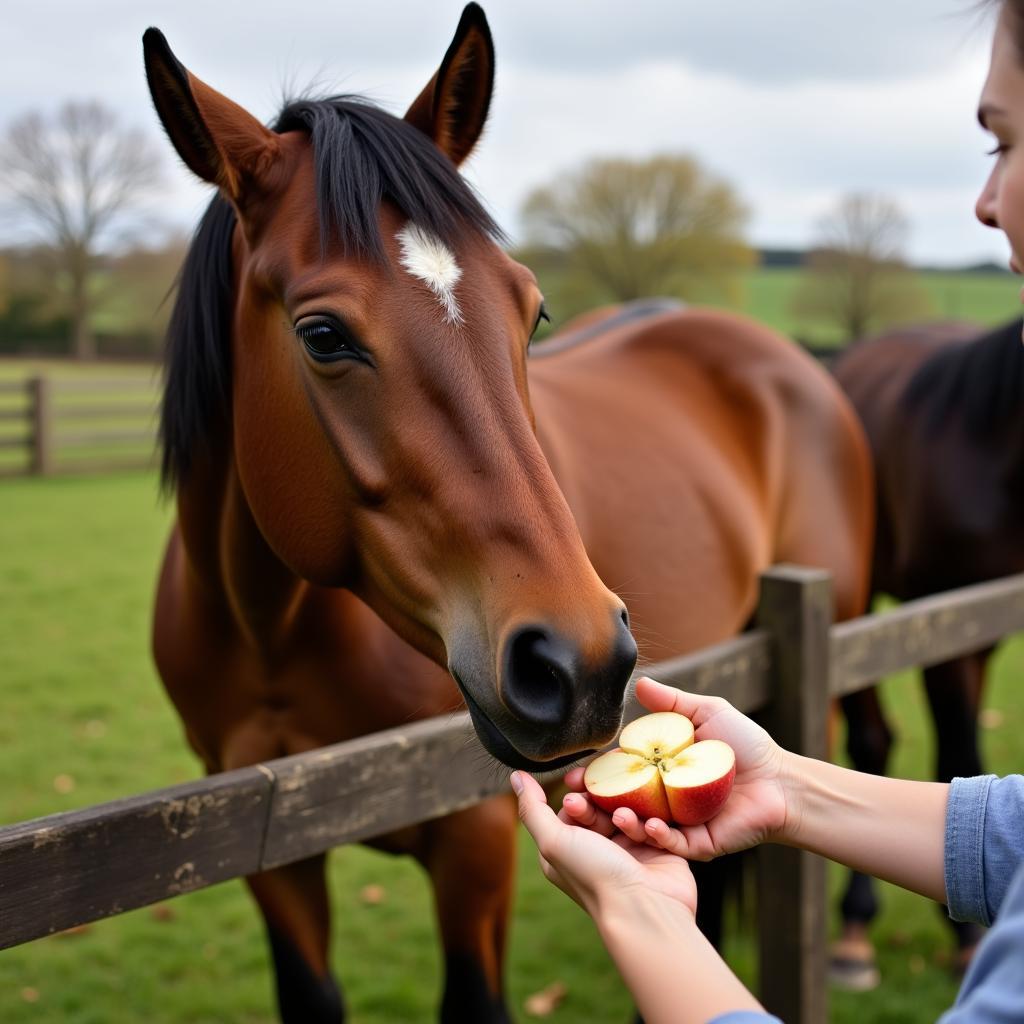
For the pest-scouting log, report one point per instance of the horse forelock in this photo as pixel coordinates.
(363, 157)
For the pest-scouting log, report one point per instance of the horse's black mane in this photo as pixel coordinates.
(363, 157)
(980, 381)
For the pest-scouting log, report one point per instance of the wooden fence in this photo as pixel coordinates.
(78, 424)
(71, 868)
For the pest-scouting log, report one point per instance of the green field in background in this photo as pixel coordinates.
(86, 720)
(766, 294)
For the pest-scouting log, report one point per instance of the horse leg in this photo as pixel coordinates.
(868, 742)
(294, 903)
(954, 691)
(470, 856)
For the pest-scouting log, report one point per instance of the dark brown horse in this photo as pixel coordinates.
(385, 511)
(943, 410)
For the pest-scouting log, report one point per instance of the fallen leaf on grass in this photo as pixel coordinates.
(63, 783)
(74, 932)
(372, 894)
(546, 1001)
(163, 912)
(30, 995)
(94, 729)
(990, 718)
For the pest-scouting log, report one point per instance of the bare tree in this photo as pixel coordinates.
(638, 228)
(856, 276)
(73, 177)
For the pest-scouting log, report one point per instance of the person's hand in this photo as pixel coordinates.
(756, 809)
(593, 865)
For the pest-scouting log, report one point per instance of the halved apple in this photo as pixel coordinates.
(659, 772)
(698, 781)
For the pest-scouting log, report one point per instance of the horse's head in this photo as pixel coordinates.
(379, 408)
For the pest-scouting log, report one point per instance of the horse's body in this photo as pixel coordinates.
(386, 510)
(942, 410)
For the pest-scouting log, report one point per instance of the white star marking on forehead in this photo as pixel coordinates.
(430, 260)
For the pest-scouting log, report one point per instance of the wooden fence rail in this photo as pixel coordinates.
(75, 867)
(52, 441)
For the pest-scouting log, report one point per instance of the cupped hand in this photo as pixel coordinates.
(756, 810)
(594, 864)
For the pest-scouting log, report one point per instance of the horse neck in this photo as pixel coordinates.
(229, 555)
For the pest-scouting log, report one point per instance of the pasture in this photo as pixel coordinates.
(86, 720)
(988, 298)
(766, 294)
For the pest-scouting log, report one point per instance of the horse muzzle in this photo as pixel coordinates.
(547, 706)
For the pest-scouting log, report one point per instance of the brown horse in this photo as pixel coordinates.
(385, 511)
(942, 408)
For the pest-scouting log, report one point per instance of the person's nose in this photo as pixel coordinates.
(985, 207)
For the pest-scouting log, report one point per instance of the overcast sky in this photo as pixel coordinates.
(794, 102)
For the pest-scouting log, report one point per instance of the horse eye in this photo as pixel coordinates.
(542, 314)
(326, 341)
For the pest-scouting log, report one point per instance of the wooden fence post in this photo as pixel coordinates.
(40, 393)
(796, 608)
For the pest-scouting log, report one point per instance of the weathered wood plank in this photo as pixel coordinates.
(925, 632)
(98, 385)
(74, 464)
(107, 410)
(796, 606)
(78, 438)
(41, 400)
(68, 869)
(16, 441)
(738, 669)
(375, 784)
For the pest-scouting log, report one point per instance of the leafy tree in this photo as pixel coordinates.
(627, 229)
(856, 276)
(74, 177)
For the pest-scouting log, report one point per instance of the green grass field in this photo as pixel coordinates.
(85, 720)
(766, 294)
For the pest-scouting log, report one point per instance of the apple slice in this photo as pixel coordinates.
(698, 781)
(622, 779)
(657, 771)
(657, 736)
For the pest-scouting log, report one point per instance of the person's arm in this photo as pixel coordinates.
(893, 829)
(675, 975)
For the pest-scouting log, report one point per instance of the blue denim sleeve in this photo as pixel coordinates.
(984, 844)
(744, 1017)
(993, 988)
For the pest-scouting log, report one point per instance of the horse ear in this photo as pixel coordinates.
(453, 107)
(219, 140)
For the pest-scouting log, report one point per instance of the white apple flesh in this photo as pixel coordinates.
(698, 781)
(657, 771)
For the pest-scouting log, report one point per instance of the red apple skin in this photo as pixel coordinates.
(694, 805)
(646, 800)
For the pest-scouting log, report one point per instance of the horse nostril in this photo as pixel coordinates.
(538, 678)
(624, 616)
